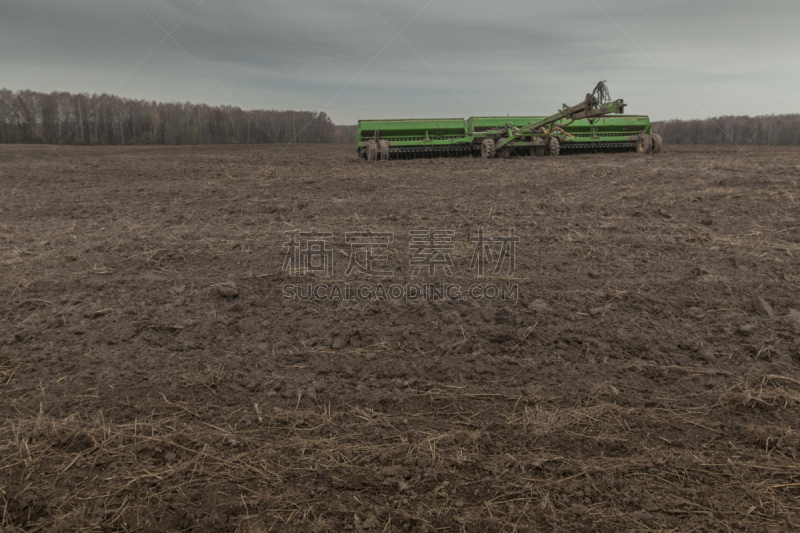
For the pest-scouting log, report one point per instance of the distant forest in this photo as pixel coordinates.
(767, 130)
(64, 118)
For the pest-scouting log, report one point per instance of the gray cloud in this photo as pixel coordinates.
(461, 57)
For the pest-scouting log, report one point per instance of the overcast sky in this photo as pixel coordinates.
(452, 58)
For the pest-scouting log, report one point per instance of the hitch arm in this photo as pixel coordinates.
(586, 109)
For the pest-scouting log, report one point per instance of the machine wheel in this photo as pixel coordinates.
(644, 144)
(537, 151)
(487, 149)
(384, 144)
(505, 152)
(657, 143)
(555, 146)
(372, 150)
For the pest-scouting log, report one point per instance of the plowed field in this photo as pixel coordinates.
(155, 376)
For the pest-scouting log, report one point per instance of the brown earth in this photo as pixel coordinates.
(153, 378)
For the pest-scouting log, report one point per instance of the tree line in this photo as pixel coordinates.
(81, 119)
(765, 130)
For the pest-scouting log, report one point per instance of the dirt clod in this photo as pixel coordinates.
(228, 289)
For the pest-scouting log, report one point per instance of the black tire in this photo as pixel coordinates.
(644, 144)
(658, 143)
(384, 149)
(537, 151)
(555, 146)
(505, 152)
(487, 149)
(372, 150)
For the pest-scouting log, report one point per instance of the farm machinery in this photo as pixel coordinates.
(586, 126)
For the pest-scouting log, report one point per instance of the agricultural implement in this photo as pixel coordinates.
(586, 126)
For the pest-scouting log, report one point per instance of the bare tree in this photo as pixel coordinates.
(739, 130)
(31, 117)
